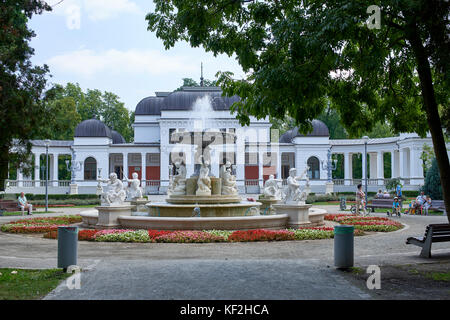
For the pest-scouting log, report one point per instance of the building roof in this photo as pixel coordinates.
(117, 138)
(183, 100)
(320, 129)
(92, 128)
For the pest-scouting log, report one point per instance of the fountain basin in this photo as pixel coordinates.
(243, 208)
(274, 222)
(212, 199)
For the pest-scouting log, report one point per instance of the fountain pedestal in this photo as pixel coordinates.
(298, 213)
(108, 215)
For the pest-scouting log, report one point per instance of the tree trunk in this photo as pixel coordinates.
(434, 122)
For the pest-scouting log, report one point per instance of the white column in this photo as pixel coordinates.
(260, 170)
(373, 165)
(350, 167)
(19, 178)
(401, 164)
(380, 167)
(144, 168)
(364, 168)
(393, 168)
(125, 164)
(347, 162)
(415, 167)
(36, 170)
(55, 169)
(278, 164)
(164, 169)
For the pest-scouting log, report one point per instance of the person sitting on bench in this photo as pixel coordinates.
(23, 204)
(427, 205)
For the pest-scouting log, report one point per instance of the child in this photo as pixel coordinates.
(396, 207)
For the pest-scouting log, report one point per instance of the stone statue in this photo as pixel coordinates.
(204, 181)
(115, 192)
(134, 190)
(293, 193)
(228, 180)
(178, 183)
(271, 189)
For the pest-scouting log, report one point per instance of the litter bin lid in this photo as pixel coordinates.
(343, 229)
(68, 229)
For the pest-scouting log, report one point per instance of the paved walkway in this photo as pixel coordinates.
(260, 270)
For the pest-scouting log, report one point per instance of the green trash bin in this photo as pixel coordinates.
(67, 246)
(343, 246)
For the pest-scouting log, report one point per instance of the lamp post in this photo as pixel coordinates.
(47, 143)
(366, 139)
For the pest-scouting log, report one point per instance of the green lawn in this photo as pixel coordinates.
(29, 284)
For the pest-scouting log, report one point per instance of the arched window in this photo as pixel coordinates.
(314, 168)
(90, 169)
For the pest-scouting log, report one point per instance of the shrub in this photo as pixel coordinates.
(432, 186)
(261, 235)
(124, 236)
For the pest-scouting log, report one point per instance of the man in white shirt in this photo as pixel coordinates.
(23, 204)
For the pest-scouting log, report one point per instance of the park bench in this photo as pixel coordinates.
(382, 203)
(437, 205)
(433, 233)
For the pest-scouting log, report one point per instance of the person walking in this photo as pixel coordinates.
(360, 199)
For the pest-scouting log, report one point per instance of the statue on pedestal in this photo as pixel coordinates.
(228, 180)
(115, 192)
(293, 192)
(271, 189)
(178, 183)
(204, 181)
(134, 190)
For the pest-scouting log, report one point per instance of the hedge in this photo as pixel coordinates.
(77, 202)
(31, 196)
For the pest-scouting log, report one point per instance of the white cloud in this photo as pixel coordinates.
(105, 9)
(96, 10)
(88, 62)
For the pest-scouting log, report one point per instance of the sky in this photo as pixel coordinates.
(105, 45)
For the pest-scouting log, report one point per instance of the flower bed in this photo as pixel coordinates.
(39, 225)
(83, 235)
(378, 224)
(261, 235)
(189, 237)
(124, 236)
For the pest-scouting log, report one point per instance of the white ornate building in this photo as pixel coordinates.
(95, 146)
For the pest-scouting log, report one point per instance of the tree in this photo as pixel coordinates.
(71, 102)
(299, 53)
(21, 85)
(189, 82)
(432, 187)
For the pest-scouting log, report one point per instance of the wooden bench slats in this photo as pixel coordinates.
(433, 233)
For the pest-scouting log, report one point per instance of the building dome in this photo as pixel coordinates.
(92, 128)
(183, 100)
(117, 138)
(149, 106)
(320, 129)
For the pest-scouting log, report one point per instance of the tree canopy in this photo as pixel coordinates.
(22, 111)
(298, 53)
(70, 104)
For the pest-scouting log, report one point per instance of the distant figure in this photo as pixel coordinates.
(395, 207)
(398, 191)
(360, 199)
(379, 194)
(386, 195)
(23, 204)
(427, 205)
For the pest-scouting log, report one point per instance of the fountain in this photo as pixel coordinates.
(204, 201)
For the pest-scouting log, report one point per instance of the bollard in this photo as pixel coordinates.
(343, 246)
(67, 246)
